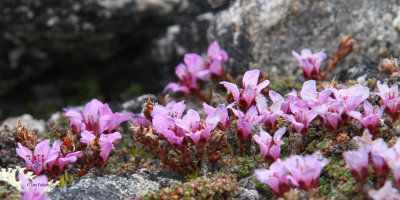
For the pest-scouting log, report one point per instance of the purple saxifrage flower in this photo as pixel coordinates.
(357, 161)
(62, 160)
(331, 112)
(95, 117)
(37, 161)
(33, 190)
(270, 147)
(275, 177)
(371, 116)
(310, 95)
(305, 170)
(106, 142)
(216, 56)
(310, 62)
(245, 98)
(246, 122)
(352, 97)
(188, 74)
(198, 130)
(390, 97)
(220, 111)
(302, 116)
(270, 113)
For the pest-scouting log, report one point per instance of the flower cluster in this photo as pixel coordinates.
(106, 142)
(384, 158)
(304, 172)
(169, 122)
(95, 117)
(195, 68)
(45, 156)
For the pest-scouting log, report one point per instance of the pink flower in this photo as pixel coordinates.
(270, 147)
(270, 113)
(392, 158)
(313, 98)
(62, 160)
(357, 161)
(196, 128)
(245, 122)
(387, 192)
(305, 169)
(275, 177)
(289, 98)
(250, 91)
(106, 141)
(33, 190)
(302, 116)
(352, 97)
(38, 160)
(371, 116)
(166, 126)
(188, 74)
(216, 55)
(221, 112)
(379, 150)
(172, 109)
(95, 117)
(390, 96)
(310, 62)
(331, 112)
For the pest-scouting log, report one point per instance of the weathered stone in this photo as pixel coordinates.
(28, 121)
(117, 186)
(261, 34)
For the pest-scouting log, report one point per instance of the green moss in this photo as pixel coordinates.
(243, 170)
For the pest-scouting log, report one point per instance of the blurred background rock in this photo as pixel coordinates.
(59, 53)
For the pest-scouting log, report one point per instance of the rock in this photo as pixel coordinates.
(248, 194)
(117, 186)
(261, 34)
(28, 121)
(54, 51)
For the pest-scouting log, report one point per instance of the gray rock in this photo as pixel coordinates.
(117, 186)
(246, 194)
(261, 34)
(54, 51)
(28, 121)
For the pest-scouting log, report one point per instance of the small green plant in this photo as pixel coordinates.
(65, 179)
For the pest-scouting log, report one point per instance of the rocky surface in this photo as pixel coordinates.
(117, 186)
(261, 34)
(28, 121)
(65, 53)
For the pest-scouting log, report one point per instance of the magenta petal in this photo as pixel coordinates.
(106, 147)
(250, 78)
(175, 87)
(112, 137)
(356, 115)
(275, 97)
(233, 89)
(216, 68)
(194, 63)
(249, 94)
(43, 147)
(87, 137)
(26, 154)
